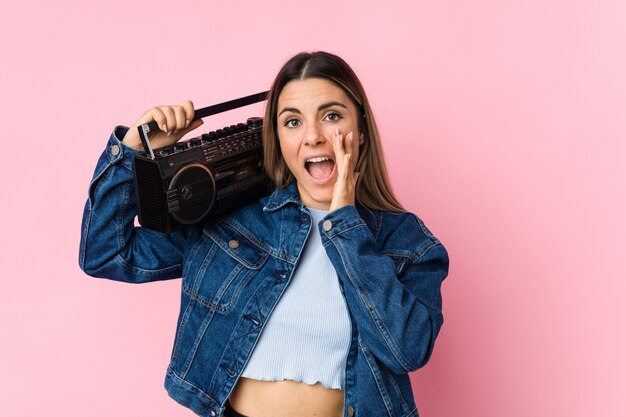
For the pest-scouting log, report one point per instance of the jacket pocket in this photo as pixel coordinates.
(229, 261)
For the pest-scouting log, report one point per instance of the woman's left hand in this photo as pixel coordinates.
(345, 187)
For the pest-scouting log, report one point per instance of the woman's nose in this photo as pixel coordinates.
(314, 136)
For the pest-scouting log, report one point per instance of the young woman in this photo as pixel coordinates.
(317, 300)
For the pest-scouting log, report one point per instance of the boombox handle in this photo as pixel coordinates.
(146, 128)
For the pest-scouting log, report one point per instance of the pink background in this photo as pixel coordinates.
(503, 124)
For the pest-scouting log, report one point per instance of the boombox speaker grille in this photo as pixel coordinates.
(192, 192)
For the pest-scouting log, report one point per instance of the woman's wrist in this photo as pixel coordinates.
(132, 144)
(132, 140)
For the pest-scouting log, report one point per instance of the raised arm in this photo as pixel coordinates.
(111, 246)
(392, 283)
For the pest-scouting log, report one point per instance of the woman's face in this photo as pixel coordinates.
(309, 112)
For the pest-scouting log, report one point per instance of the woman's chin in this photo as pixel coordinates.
(317, 196)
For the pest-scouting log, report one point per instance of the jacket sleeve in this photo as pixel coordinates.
(110, 245)
(397, 305)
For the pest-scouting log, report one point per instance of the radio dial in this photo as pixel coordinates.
(254, 122)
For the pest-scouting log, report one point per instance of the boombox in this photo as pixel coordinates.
(204, 176)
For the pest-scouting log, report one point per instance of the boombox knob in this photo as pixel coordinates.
(254, 122)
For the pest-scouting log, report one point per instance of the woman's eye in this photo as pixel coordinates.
(292, 123)
(333, 117)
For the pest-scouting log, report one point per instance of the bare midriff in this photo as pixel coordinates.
(286, 398)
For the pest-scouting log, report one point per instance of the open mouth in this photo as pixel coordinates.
(320, 168)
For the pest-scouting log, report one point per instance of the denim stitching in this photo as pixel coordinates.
(215, 305)
(184, 381)
(196, 343)
(331, 235)
(191, 255)
(219, 241)
(203, 301)
(208, 257)
(421, 255)
(95, 181)
(83, 245)
(147, 272)
(398, 253)
(381, 388)
(276, 253)
(181, 327)
(396, 388)
(238, 289)
(243, 231)
(425, 230)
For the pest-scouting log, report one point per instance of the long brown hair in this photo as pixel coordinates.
(372, 189)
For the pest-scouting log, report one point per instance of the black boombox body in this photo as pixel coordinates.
(204, 176)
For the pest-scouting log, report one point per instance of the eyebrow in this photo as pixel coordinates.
(320, 108)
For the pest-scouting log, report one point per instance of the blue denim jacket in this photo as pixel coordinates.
(235, 268)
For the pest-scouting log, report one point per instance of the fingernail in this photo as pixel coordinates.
(164, 127)
(176, 131)
(350, 136)
(169, 133)
(187, 123)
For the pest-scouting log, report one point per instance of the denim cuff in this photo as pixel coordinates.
(340, 221)
(117, 152)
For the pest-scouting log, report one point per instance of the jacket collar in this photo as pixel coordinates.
(282, 196)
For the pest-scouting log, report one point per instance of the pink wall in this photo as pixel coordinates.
(504, 128)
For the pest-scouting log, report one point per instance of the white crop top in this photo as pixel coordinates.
(308, 334)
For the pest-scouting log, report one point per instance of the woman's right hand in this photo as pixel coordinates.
(174, 122)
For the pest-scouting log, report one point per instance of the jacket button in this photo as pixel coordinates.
(327, 225)
(115, 150)
(280, 275)
(233, 244)
(350, 411)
